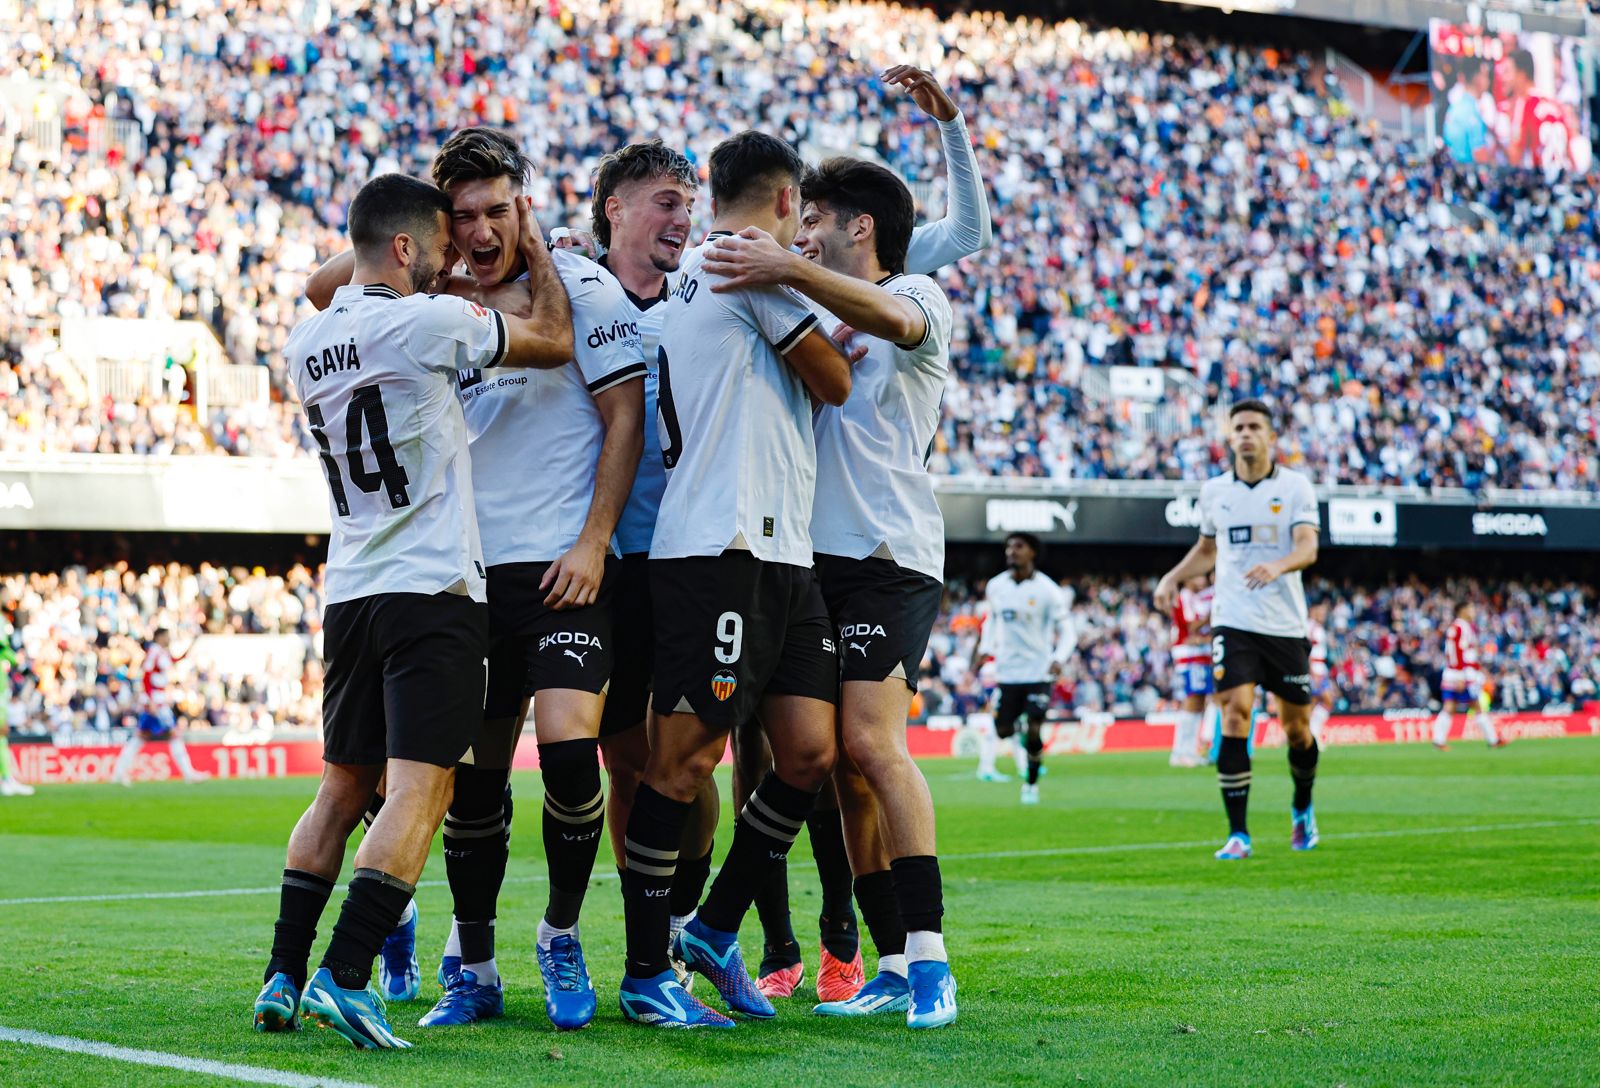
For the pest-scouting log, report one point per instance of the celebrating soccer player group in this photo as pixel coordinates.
(672, 494)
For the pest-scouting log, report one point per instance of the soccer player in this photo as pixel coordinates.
(964, 230)
(576, 431)
(741, 626)
(156, 720)
(879, 540)
(1191, 666)
(1322, 687)
(1258, 530)
(1463, 681)
(643, 196)
(406, 626)
(1028, 631)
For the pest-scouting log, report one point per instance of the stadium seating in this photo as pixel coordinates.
(79, 634)
(1212, 208)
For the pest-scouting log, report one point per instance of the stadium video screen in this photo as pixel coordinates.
(1507, 98)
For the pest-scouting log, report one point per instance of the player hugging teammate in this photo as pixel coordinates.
(481, 518)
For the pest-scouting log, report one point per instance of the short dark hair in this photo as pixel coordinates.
(852, 187)
(750, 163)
(1522, 61)
(1254, 405)
(637, 162)
(392, 204)
(1030, 540)
(478, 154)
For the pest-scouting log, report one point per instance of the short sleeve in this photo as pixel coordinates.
(1306, 511)
(781, 314)
(1208, 524)
(451, 333)
(607, 345)
(935, 306)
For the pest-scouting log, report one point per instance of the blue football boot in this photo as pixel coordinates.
(661, 1003)
(568, 993)
(886, 992)
(933, 995)
(399, 973)
(358, 1015)
(278, 1005)
(715, 954)
(465, 1001)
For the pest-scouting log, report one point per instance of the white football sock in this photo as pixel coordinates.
(548, 933)
(1486, 724)
(411, 912)
(452, 943)
(180, 756)
(1319, 719)
(1186, 734)
(987, 742)
(924, 944)
(1210, 722)
(486, 972)
(1441, 727)
(125, 758)
(1019, 752)
(892, 965)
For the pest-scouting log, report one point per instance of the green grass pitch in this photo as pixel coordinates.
(1447, 932)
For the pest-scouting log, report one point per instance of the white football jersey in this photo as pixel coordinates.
(734, 422)
(1027, 627)
(874, 494)
(1254, 523)
(376, 375)
(637, 526)
(536, 434)
(1318, 635)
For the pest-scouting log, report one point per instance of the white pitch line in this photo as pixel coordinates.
(991, 855)
(1390, 833)
(249, 1074)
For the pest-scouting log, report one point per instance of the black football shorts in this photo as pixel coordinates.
(404, 677)
(731, 629)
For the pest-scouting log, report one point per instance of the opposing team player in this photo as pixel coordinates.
(1028, 632)
(157, 720)
(1191, 667)
(10, 784)
(1463, 681)
(1258, 530)
(406, 626)
(878, 535)
(741, 626)
(1323, 691)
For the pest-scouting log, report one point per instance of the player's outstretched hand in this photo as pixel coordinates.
(573, 581)
(751, 258)
(573, 238)
(1166, 595)
(1262, 574)
(842, 335)
(924, 89)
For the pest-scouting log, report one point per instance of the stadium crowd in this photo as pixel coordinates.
(79, 636)
(1385, 642)
(1209, 207)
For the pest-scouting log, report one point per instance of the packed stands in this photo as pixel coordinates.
(1208, 207)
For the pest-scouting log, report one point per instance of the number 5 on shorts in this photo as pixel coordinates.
(730, 633)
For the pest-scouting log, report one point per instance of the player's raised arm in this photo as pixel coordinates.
(965, 228)
(753, 258)
(543, 339)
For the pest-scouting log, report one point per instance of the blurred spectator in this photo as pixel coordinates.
(1210, 207)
